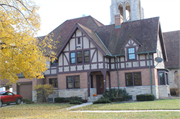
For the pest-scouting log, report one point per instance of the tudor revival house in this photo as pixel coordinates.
(93, 57)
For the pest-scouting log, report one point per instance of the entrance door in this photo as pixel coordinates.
(100, 84)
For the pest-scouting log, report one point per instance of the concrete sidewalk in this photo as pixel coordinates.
(81, 105)
(116, 111)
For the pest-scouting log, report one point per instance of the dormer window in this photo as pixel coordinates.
(131, 54)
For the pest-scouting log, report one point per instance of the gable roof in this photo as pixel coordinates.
(62, 32)
(172, 43)
(111, 39)
(144, 31)
(91, 35)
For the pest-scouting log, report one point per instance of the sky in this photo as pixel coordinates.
(54, 12)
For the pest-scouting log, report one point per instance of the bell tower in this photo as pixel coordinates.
(125, 10)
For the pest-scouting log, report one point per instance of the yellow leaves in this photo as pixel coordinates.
(18, 26)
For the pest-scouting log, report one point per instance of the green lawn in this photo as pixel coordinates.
(57, 111)
(28, 110)
(148, 105)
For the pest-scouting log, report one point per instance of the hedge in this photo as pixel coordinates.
(145, 97)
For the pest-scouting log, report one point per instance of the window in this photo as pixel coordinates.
(53, 82)
(73, 82)
(133, 79)
(54, 63)
(79, 41)
(73, 58)
(162, 79)
(131, 53)
(79, 57)
(86, 56)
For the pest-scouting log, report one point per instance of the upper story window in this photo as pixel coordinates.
(86, 56)
(54, 63)
(79, 41)
(79, 57)
(131, 53)
(73, 58)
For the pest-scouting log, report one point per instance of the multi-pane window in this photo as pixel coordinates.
(79, 57)
(131, 53)
(86, 56)
(53, 82)
(73, 58)
(133, 79)
(73, 82)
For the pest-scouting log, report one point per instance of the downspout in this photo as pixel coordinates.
(117, 71)
(117, 66)
(150, 72)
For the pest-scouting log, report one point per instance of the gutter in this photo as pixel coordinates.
(117, 66)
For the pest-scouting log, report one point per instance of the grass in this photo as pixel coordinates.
(148, 105)
(28, 110)
(57, 111)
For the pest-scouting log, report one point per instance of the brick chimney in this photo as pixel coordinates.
(118, 19)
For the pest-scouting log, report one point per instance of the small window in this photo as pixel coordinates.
(79, 41)
(133, 79)
(54, 63)
(73, 58)
(73, 82)
(79, 57)
(86, 56)
(53, 82)
(131, 53)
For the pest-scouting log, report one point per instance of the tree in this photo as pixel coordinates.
(20, 51)
(43, 91)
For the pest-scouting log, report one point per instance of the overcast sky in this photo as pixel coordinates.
(55, 12)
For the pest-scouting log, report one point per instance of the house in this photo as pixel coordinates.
(93, 57)
(172, 43)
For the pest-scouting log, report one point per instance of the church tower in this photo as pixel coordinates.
(125, 10)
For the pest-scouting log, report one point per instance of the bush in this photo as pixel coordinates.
(76, 98)
(43, 91)
(145, 97)
(116, 95)
(59, 100)
(174, 91)
(75, 102)
(27, 101)
(102, 100)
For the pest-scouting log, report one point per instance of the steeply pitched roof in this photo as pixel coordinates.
(172, 43)
(144, 31)
(96, 39)
(62, 32)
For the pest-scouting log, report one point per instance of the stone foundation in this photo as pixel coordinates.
(158, 91)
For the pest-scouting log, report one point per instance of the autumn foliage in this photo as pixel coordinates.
(20, 50)
(43, 91)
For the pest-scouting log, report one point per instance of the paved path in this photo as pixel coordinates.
(82, 105)
(116, 111)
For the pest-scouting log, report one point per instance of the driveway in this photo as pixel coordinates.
(11, 104)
